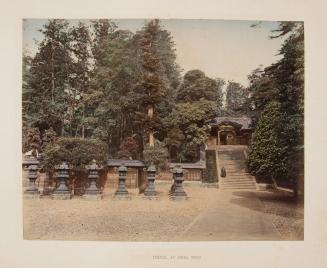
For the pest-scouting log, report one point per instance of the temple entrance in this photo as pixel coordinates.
(229, 131)
(226, 138)
(222, 139)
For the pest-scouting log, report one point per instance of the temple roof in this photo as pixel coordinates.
(244, 122)
(126, 162)
(197, 165)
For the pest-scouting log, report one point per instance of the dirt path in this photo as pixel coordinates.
(209, 214)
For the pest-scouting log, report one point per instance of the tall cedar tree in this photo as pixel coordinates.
(236, 99)
(282, 83)
(152, 84)
(79, 78)
(114, 81)
(49, 79)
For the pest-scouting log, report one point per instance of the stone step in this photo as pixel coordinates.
(237, 185)
(240, 176)
(237, 175)
(243, 172)
(238, 181)
(238, 189)
(223, 187)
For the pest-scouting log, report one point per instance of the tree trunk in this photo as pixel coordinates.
(151, 137)
(52, 75)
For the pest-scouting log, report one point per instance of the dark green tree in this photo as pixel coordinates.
(152, 85)
(270, 154)
(236, 99)
(196, 85)
(45, 102)
(114, 97)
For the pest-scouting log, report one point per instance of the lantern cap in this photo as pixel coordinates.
(151, 168)
(32, 167)
(63, 165)
(178, 169)
(122, 168)
(93, 165)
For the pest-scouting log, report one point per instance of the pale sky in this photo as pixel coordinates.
(227, 49)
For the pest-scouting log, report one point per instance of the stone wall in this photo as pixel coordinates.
(132, 178)
(191, 174)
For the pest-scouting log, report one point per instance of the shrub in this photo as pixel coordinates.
(77, 152)
(156, 155)
(270, 151)
(128, 148)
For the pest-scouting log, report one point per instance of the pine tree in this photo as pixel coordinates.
(152, 84)
(236, 98)
(49, 78)
(269, 155)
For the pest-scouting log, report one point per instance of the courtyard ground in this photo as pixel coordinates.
(209, 214)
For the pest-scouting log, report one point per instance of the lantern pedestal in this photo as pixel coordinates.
(121, 192)
(62, 192)
(92, 192)
(32, 191)
(150, 191)
(177, 192)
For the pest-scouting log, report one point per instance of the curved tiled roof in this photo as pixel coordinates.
(126, 162)
(244, 122)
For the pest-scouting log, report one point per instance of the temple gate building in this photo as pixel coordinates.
(230, 131)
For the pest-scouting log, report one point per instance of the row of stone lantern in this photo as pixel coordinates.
(92, 192)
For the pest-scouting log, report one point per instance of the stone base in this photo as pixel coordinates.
(178, 198)
(61, 196)
(92, 196)
(122, 197)
(210, 184)
(150, 197)
(31, 195)
(263, 186)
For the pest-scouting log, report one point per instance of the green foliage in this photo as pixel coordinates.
(129, 147)
(188, 121)
(196, 85)
(33, 139)
(156, 155)
(236, 98)
(277, 94)
(271, 148)
(76, 152)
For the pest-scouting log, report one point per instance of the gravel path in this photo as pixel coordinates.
(147, 220)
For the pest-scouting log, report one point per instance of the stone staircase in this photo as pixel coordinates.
(233, 158)
(211, 171)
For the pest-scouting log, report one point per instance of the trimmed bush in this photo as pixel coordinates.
(156, 155)
(270, 153)
(77, 152)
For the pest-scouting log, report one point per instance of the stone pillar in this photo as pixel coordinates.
(121, 191)
(62, 191)
(218, 137)
(92, 192)
(32, 191)
(150, 191)
(177, 192)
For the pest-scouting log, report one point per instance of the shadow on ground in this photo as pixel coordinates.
(273, 202)
(285, 212)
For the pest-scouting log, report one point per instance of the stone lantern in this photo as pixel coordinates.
(121, 191)
(150, 190)
(62, 191)
(32, 190)
(92, 192)
(177, 192)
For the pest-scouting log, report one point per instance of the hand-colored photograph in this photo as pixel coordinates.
(162, 130)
